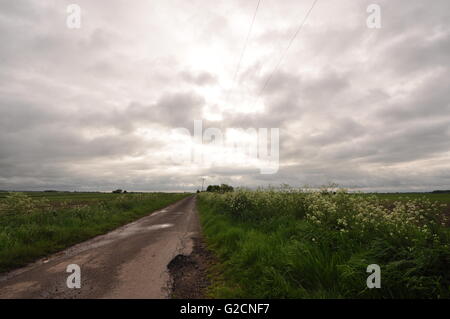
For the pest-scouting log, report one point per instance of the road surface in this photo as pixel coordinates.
(129, 262)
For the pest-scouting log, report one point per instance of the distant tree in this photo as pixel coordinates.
(125, 192)
(441, 192)
(198, 191)
(213, 188)
(224, 188)
(117, 191)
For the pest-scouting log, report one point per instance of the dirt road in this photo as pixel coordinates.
(129, 262)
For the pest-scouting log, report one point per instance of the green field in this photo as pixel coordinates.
(34, 225)
(95, 196)
(66, 196)
(443, 198)
(275, 244)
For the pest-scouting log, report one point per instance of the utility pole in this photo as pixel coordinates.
(203, 182)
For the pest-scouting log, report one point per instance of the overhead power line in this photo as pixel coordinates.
(269, 78)
(244, 48)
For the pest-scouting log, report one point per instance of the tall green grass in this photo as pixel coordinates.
(294, 244)
(31, 228)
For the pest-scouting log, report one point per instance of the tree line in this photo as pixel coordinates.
(223, 188)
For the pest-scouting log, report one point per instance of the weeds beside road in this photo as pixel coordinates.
(295, 244)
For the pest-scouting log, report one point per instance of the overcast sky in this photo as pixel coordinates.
(93, 108)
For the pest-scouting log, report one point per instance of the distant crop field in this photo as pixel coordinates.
(66, 196)
(443, 198)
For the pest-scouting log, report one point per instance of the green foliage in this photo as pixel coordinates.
(19, 202)
(287, 243)
(223, 188)
(32, 227)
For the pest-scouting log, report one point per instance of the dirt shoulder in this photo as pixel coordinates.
(190, 279)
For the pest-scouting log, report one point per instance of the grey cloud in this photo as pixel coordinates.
(201, 78)
(356, 106)
(430, 100)
(343, 130)
(289, 97)
(174, 110)
(418, 52)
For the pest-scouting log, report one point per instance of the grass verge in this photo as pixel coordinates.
(273, 244)
(33, 228)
